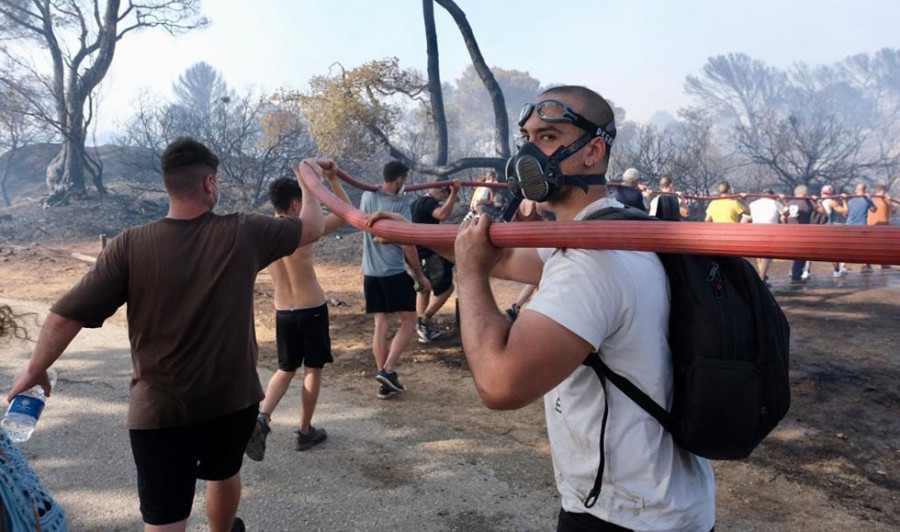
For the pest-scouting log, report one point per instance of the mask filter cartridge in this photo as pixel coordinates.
(531, 178)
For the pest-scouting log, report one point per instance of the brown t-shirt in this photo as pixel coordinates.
(189, 289)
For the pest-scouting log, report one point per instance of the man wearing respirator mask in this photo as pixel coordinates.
(610, 301)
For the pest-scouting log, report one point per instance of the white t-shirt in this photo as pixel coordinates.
(828, 205)
(618, 301)
(654, 204)
(766, 211)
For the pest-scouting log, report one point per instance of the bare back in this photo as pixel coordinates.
(296, 284)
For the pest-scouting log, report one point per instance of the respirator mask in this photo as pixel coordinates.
(532, 175)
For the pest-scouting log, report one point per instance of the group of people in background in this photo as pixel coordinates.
(803, 208)
(860, 208)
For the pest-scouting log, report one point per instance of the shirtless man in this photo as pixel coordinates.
(301, 323)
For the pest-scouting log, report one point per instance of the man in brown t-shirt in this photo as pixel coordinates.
(188, 282)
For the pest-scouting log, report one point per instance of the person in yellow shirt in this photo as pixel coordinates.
(727, 210)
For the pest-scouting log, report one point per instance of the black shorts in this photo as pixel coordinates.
(169, 461)
(302, 338)
(581, 522)
(394, 293)
(439, 272)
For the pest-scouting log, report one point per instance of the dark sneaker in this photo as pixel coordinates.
(433, 334)
(303, 442)
(256, 447)
(390, 380)
(422, 332)
(238, 525)
(386, 393)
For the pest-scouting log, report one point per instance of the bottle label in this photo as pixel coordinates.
(28, 406)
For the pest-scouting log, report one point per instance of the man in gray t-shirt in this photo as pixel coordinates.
(387, 286)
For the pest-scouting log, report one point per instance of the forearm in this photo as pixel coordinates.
(412, 258)
(338, 189)
(443, 212)
(333, 221)
(448, 252)
(313, 219)
(55, 336)
(446, 209)
(485, 333)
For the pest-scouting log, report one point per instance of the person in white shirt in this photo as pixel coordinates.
(834, 205)
(765, 211)
(667, 184)
(613, 302)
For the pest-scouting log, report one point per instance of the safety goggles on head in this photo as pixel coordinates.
(556, 111)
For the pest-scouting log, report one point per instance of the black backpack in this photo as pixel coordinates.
(730, 349)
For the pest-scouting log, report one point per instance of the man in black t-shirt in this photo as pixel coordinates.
(799, 211)
(631, 192)
(431, 208)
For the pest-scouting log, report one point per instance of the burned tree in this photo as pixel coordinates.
(80, 38)
(355, 112)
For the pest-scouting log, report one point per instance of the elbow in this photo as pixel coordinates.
(492, 404)
(311, 233)
(497, 398)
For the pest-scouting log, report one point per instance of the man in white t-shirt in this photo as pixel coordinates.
(615, 302)
(667, 185)
(834, 205)
(765, 211)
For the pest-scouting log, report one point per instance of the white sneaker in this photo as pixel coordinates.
(805, 275)
(837, 273)
(843, 271)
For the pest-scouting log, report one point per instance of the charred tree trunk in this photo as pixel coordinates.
(79, 64)
(7, 168)
(434, 85)
(501, 120)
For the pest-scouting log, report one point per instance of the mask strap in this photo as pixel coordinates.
(582, 181)
(564, 152)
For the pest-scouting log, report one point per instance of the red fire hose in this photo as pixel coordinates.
(856, 244)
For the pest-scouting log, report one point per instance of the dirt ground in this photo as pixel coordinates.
(832, 464)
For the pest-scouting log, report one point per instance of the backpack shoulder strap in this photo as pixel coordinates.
(633, 392)
(617, 213)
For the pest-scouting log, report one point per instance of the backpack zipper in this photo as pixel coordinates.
(715, 279)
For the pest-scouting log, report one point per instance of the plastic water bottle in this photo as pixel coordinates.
(25, 409)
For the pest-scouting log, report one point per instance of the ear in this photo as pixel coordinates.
(208, 182)
(597, 149)
(296, 204)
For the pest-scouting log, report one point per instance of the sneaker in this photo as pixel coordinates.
(303, 442)
(426, 334)
(805, 275)
(837, 273)
(390, 380)
(386, 393)
(422, 332)
(238, 525)
(513, 312)
(433, 334)
(256, 447)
